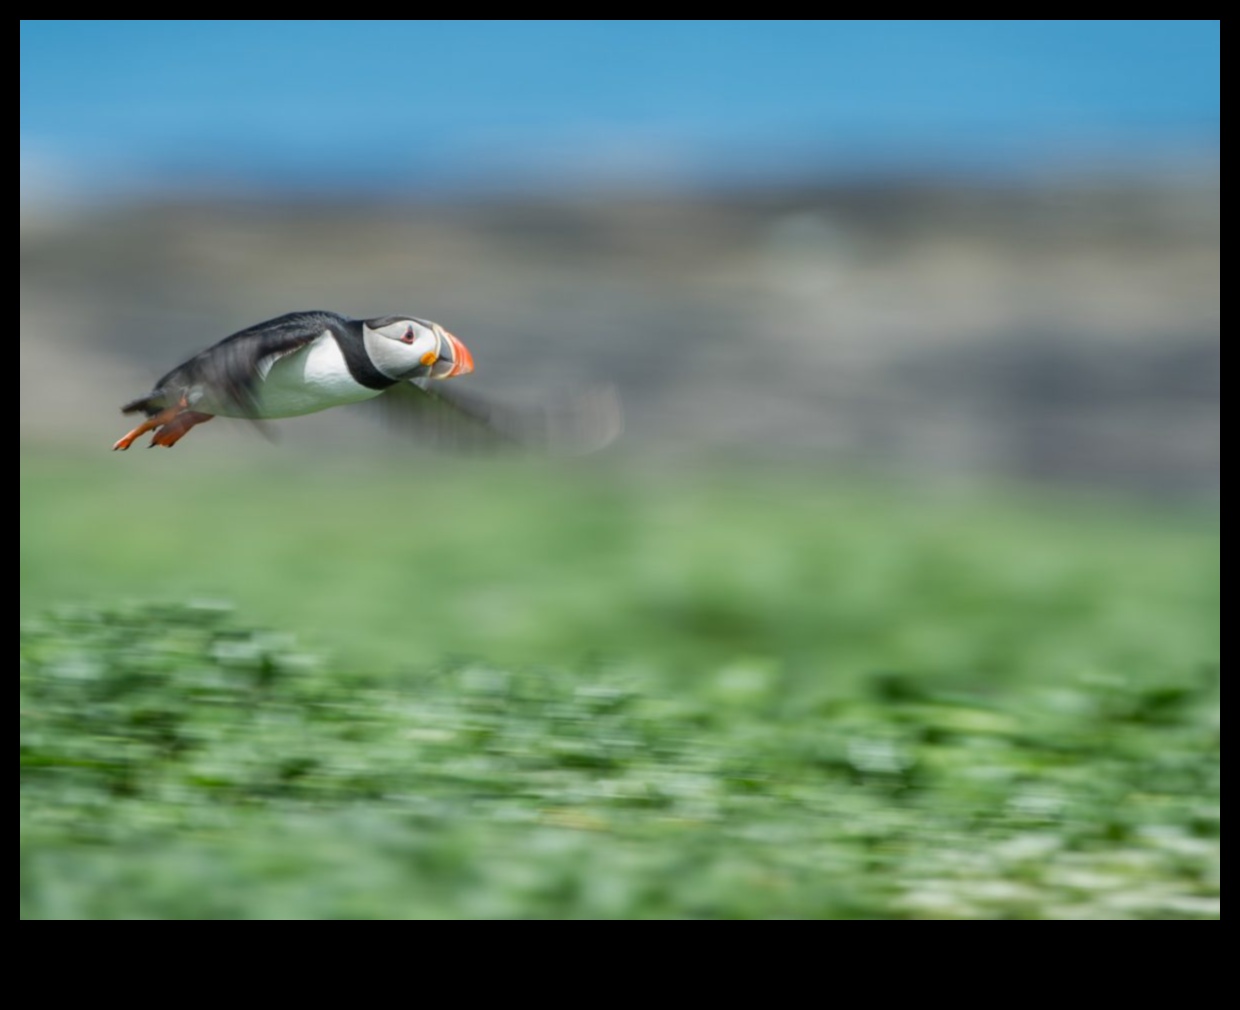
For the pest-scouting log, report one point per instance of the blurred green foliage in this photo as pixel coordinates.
(538, 694)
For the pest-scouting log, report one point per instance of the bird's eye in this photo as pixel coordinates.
(408, 337)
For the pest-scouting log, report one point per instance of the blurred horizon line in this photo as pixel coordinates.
(47, 177)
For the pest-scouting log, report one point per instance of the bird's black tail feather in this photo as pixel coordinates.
(148, 405)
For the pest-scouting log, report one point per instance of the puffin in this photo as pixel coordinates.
(304, 362)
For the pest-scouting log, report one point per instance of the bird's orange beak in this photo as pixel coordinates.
(462, 360)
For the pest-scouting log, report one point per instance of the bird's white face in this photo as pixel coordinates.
(406, 348)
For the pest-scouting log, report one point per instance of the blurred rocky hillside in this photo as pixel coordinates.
(1065, 332)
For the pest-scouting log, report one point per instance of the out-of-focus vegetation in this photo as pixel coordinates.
(515, 692)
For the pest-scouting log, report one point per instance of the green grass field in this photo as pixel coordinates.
(298, 689)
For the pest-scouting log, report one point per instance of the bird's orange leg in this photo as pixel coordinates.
(172, 432)
(163, 417)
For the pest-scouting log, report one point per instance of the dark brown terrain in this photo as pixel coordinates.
(1066, 332)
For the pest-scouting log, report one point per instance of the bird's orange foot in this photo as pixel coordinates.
(172, 432)
(155, 421)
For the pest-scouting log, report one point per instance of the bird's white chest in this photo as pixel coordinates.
(313, 378)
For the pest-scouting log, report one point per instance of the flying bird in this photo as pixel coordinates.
(305, 362)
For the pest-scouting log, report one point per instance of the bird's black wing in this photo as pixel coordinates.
(449, 417)
(230, 368)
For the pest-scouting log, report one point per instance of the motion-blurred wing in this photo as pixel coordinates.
(456, 419)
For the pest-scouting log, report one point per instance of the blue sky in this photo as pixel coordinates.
(435, 103)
